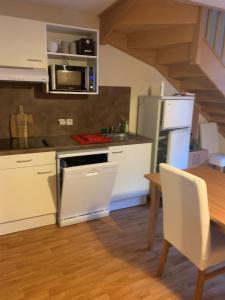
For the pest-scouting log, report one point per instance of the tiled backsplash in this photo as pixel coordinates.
(90, 113)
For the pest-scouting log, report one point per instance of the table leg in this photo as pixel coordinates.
(154, 210)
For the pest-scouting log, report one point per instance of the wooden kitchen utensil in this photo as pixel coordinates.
(21, 125)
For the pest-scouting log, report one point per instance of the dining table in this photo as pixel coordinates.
(215, 182)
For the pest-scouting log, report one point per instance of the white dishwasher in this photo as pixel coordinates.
(85, 183)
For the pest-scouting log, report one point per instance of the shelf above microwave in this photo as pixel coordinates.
(58, 33)
(70, 56)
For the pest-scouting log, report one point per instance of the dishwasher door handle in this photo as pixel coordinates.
(92, 173)
(117, 152)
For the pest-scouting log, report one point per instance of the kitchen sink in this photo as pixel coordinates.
(118, 136)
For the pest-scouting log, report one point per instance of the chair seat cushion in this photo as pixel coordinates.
(217, 159)
(218, 246)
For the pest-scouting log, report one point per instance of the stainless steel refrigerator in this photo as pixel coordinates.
(167, 120)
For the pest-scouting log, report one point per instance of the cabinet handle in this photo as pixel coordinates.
(42, 173)
(23, 161)
(35, 60)
(117, 152)
(92, 173)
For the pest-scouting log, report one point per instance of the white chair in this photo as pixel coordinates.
(209, 140)
(186, 224)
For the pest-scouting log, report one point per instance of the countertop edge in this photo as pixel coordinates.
(134, 139)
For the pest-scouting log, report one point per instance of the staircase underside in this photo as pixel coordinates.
(165, 35)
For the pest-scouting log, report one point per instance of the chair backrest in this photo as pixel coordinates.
(209, 137)
(186, 220)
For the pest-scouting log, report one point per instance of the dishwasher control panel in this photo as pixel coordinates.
(82, 160)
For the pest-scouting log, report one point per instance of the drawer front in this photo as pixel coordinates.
(27, 160)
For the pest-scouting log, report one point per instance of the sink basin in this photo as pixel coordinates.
(118, 136)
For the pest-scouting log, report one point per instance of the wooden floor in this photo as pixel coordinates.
(105, 259)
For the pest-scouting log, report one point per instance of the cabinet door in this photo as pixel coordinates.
(133, 164)
(23, 43)
(27, 192)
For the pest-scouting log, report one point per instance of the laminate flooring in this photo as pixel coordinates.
(105, 259)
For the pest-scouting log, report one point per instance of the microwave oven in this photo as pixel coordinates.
(72, 78)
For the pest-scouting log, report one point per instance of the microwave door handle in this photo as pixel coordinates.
(87, 78)
(53, 77)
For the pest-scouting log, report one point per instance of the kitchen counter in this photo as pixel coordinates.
(65, 143)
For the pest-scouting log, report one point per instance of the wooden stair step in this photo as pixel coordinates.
(209, 101)
(197, 84)
(180, 71)
(160, 12)
(212, 94)
(221, 128)
(204, 103)
(144, 12)
(161, 37)
(214, 108)
(119, 40)
(174, 54)
(217, 115)
(132, 28)
(218, 120)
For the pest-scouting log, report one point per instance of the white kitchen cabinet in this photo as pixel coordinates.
(133, 163)
(23, 43)
(27, 192)
(58, 33)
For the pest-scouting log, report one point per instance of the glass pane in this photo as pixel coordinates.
(220, 35)
(212, 23)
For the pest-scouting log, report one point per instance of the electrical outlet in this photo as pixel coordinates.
(69, 122)
(62, 122)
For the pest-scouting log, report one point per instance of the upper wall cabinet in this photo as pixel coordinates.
(69, 53)
(71, 49)
(23, 43)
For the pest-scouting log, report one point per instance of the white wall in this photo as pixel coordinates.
(221, 138)
(221, 143)
(120, 69)
(47, 13)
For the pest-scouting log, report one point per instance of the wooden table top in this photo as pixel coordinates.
(215, 181)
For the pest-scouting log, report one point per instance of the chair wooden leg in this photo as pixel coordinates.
(199, 285)
(154, 211)
(163, 258)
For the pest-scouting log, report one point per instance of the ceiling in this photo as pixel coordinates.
(88, 6)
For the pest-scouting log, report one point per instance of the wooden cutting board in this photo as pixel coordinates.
(21, 124)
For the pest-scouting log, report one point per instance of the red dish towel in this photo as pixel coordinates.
(85, 139)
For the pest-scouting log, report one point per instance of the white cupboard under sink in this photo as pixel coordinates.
(23, 43)
(130, 187)
(28, 191)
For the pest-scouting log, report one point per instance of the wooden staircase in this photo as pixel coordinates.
(184, 42)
